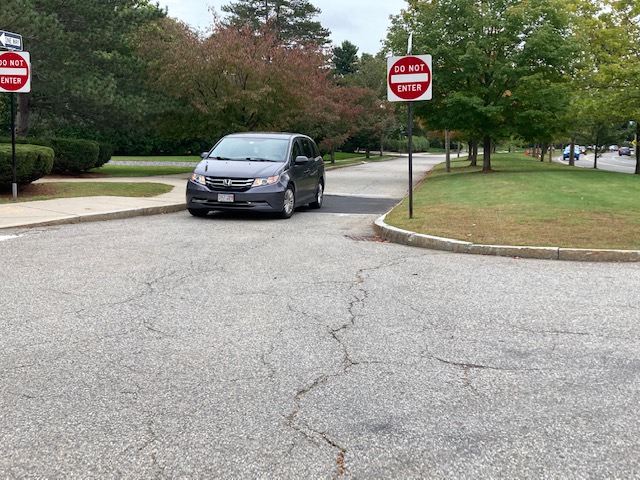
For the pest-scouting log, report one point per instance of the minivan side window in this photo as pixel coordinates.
(297, 150)
(308, 149)
(316, 152)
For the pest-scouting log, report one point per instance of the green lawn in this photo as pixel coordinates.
(49, 190)
(526, 202)
(157, 158)
(138, 170)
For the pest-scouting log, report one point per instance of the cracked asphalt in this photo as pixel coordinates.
(247, 347)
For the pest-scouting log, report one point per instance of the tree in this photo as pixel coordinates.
(84, 73)
(541, 111)
(237, 79)
(614, 48)
(371, 73)
(484, 52)
(345, 58)
(379, 119)
(292, 20)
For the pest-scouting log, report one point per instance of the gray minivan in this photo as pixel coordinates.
(262, 172)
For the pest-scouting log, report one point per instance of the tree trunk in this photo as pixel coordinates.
(22, 117)
(572, 152)
(473, 153)
(486, 152)
(333, 155)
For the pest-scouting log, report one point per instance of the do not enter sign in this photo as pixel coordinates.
(15, 72)
(409, 78)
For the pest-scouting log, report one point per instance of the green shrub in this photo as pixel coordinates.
(418, 143)
(105, 153)
(73, 156)
(32, 162)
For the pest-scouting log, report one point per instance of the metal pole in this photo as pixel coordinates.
(410, 132)
(637, 171)
(14, 183)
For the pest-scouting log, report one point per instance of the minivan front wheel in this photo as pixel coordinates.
(288, 203)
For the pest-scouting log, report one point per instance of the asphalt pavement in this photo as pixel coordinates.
(237, 346)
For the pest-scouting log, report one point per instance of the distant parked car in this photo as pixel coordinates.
(582, 149)
(613, 148)
(567, 152)
(624, 151)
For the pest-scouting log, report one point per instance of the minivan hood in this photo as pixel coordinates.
(238, 169)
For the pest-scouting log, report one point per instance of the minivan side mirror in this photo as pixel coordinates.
(204, 154)
(301, 160)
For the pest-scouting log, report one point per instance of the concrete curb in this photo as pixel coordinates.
(405, 237)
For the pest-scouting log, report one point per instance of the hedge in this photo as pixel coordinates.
(418, 144)
(72, 155)
(32, 162)
(105, 153)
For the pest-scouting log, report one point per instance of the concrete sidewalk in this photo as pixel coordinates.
(89, 209)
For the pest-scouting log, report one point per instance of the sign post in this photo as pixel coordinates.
(409, 79)
(15, 77)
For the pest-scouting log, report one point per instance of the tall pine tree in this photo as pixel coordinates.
(85, 74)
(293, 20)
(345, 58)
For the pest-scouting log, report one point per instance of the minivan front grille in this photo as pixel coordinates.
(229, 184)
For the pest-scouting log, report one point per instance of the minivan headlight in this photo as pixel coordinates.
(260, 182)
(199, 179)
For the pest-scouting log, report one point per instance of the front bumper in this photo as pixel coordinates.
(268, 198)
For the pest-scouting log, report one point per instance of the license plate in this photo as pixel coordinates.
(225, 197)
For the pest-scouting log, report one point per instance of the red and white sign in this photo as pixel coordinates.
(409, 78)
(15, 72)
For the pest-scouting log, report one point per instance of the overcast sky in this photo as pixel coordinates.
(362, 22)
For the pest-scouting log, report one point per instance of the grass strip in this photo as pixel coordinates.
(119, 171)
(50, 190)
(526, 202)
(157, 158)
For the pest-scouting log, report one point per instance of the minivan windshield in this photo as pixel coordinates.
(251, 149)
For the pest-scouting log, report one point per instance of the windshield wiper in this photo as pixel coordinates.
(218, 158)
(257, 159)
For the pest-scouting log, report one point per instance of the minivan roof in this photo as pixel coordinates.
(266, 134)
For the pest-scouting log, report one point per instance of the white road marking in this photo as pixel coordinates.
(8, 237)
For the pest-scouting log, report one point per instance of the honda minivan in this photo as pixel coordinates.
(261, 172)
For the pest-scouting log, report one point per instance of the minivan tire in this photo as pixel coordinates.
(288, 203)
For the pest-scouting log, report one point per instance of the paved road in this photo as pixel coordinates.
(245, 347)
(608, 161)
